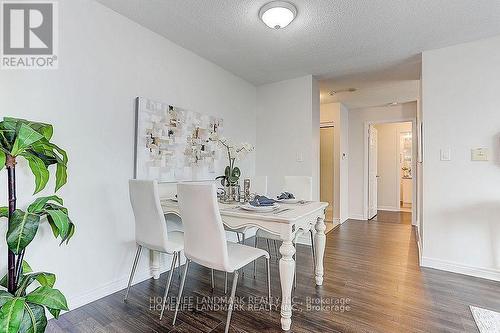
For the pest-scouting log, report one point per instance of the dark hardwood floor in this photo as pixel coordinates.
(372, 277)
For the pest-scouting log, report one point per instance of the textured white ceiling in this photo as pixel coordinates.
(335, 40)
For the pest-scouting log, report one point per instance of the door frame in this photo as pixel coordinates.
(366, 127)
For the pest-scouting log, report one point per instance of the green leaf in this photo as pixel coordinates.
(3, 158)
(61, 221)
(5, 297)
(25, 137)
(70, 234)
(46, 130)
(11, 315)
(34, 320)
(26, 267)
(22, 229)
(45, 279)
(61, 176)
(39, 204)
(4, 212)
(39, 170)
(54, 312)
(49, 297)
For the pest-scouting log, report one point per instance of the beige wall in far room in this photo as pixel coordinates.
(337, 114)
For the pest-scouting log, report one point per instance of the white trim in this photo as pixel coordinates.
(358, 217)
(389, 208)
(444, 265)
(367, 124)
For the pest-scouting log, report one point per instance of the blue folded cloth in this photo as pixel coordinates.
(286, 195)
(261, 200)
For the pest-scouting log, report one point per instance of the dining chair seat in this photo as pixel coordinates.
(175, 243)
(241, 255)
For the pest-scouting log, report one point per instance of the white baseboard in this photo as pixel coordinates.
(444, 265)
(357, 217)
(389, 208)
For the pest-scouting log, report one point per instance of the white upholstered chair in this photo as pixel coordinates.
(301, 188)
(205, 239)
(151, 228)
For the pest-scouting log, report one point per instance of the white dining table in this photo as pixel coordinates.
(285, 222)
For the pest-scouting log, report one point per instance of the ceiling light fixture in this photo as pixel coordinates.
(278, 14)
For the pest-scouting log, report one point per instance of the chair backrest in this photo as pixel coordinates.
(150, 224)
(258, 185)
(204, 235)
(300, 186)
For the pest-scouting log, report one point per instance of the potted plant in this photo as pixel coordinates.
(232, 173)
(28, 293)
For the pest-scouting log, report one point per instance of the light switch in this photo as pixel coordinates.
(479, 154)
(300, 157)
(446, 154)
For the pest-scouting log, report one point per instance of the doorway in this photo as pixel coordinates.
(390, 165)
(327, 168)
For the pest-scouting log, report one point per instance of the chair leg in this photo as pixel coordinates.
(167, 287)
(238, 235)
(276, 251)
(231, 301)
(254, 262)
(243, 242)
(134, 267)
(313, 250)
(179, 264)
(212, 278)
(225, 283)
(268, 269)
(181, 288)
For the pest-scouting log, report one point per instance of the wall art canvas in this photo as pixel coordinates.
(173, 144)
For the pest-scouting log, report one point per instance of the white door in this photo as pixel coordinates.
(372, 172)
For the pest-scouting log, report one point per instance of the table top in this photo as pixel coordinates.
(286, 213)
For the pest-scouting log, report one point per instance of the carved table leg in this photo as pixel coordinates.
(287, 268)
(320, 242)
(155, 264)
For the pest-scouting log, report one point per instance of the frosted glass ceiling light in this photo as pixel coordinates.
(277, 14)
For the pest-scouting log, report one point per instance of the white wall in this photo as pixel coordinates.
(358, 118)
(461, 110)
(389, 166)
(105, 61)
(337, 114)
(288, 132)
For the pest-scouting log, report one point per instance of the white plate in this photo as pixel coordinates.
(249, 207)
(289, 201)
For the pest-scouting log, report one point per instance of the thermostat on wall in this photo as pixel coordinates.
(479, 154)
